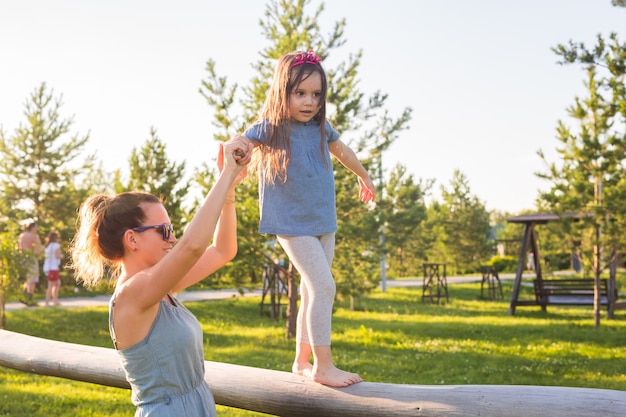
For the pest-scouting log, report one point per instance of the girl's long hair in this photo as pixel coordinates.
(274, 154)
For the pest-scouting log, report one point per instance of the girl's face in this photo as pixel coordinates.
(304, 100)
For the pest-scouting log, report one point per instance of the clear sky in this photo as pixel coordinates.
(483, 83)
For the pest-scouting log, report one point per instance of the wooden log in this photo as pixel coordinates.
(285, 394)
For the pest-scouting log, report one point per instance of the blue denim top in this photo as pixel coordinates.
(304, 204)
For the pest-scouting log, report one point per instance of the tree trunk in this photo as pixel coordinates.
(289, 395)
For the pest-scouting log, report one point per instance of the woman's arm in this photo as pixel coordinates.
(224, 246)
(148, 286)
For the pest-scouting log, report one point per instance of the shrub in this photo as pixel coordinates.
(503, 263)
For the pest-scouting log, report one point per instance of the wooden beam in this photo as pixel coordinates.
(285, 394)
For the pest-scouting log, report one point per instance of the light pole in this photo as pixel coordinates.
(383, 255)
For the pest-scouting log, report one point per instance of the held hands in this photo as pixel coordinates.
(367, 191)
(243, 156)
(235, 154)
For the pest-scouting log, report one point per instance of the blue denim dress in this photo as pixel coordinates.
(304, 204)
(166, 369)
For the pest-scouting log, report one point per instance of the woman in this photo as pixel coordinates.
(158, 340)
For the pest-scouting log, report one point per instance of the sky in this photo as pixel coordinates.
(484, 86)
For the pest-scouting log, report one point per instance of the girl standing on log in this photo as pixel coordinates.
(158, 340)
(297, 199)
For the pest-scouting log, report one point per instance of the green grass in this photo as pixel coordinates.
(392, 337)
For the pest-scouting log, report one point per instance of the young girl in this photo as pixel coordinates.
(158, 340)
(297, 199)
(51, 264)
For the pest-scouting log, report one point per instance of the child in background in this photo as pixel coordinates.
(297, 199)
(51, 265)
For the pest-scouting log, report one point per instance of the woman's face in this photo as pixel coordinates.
(304, 100)
(150, 241)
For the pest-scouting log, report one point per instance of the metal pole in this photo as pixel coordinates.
(383, 256)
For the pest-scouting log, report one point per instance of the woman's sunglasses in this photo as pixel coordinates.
(166, 230)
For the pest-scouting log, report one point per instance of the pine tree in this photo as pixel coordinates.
(465, 224)
(589, 179)
(44, 173)
(152, 172)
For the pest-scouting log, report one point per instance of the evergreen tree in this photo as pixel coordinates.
(152, 172)
(590, 179)
(405, 204)
(465, 226)
(44, 173)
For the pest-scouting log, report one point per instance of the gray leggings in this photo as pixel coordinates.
(312, 256)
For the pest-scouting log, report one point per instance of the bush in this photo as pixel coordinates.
(557, 261)
(503, 263)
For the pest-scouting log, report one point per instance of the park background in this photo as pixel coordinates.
(486, 133)
(49, 167)
(104, 58)
(485, 87)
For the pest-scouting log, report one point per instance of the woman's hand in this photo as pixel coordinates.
(236, 153)
(243, 157)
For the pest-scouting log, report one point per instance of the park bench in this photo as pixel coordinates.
(577, 291)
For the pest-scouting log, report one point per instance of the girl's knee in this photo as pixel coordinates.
(327, 290)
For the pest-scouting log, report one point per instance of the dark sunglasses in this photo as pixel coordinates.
(166, 230)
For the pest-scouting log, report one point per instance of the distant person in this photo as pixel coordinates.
(530, 261)
(297, 199)
(159, 341)
(30, 245)
(576, 261)
(51, 267)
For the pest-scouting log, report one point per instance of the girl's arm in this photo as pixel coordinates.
(247, 140)
(348, 158)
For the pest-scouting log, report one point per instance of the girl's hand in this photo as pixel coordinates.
(243, 157)
(234, 153)
(367, 191)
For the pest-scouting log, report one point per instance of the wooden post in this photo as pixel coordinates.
(289, 395)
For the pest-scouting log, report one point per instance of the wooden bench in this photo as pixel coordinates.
(578, 291)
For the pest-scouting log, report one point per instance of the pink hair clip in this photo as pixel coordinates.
(308, 58)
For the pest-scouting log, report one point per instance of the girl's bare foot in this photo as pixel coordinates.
(304, 369)
(334, 377)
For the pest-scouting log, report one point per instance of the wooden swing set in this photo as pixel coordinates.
(577, 291)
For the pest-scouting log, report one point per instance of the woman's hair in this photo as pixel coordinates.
(52, 237)
(275, 152)
(97, 247)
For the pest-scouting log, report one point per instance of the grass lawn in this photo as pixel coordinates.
(392, 337)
